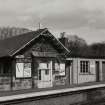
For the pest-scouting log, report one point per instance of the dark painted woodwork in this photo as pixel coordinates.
(97, 71)
(103, 71)
(68, 63)
(11, 66)
(22, 60)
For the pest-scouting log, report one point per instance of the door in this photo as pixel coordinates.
(45, 75)
(103, 71)
(97, 71)
(69, 72)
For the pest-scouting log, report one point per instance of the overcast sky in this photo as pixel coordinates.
(86, 18)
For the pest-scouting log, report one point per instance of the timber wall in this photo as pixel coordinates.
(83, 78)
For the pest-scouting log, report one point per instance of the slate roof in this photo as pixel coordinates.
(10, 46)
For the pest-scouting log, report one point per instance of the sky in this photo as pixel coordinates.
(85, 18)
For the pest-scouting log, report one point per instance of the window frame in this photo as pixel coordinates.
(84, 67)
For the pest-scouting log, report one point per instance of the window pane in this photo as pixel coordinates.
(83, 67)
(47, 72)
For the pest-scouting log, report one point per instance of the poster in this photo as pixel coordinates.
(23, 70)
(62, 69)
(27, 70)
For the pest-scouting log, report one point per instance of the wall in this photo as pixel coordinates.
(82, 78)
(19, 84)
(75, 70)
(87, 77)
(5, 83)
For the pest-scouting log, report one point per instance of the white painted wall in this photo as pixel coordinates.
(75, 70)
(83, 78)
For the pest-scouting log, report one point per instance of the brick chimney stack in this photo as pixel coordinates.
(63, 39)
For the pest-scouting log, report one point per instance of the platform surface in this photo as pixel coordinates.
(21, 94)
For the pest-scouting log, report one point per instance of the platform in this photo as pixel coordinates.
(16, 95)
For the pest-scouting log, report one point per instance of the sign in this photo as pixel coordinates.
(44, 54)
(62, 69)
(19, 70)
(20, 56)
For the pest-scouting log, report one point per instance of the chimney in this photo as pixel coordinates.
(63, 39)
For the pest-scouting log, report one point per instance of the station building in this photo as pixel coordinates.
(39, 60)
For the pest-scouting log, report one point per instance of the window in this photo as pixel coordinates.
(47, 72)
(23, 70)
(39, 74)
(84, 66)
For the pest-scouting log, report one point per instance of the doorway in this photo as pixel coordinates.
(45, 75)
(97, 71)
(103, 71)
